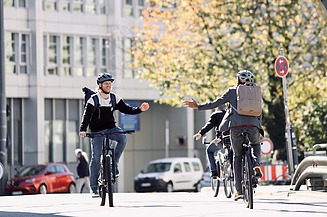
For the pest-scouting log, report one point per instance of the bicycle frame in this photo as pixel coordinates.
(107, 173)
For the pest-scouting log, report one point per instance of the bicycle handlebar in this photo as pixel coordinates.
(91, 135)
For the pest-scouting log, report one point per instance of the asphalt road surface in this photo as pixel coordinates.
(277, 201)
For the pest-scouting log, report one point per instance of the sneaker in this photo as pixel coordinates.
(94, 192)
(258, 172)
(238, 195)
(117, 171)
(214, 174)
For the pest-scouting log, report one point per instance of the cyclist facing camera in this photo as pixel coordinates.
(214, 121)
(237, 124)
(100, 118)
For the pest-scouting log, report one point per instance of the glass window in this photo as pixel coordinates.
(15, 131)
(187, 167)
(53, 55)
(128, 58)
(60, 169)
(140, 7)
(9, 3)
(64, 5)
(59, 130)
(104, 47)
(22, 3)
(91, 56)
(66, 55)
(16, 53)
(23, 54)
(48, 112)
(128, 8)
(51, 169)
(72, 130)
(178, 168)
(196, 166)
(50, 5)
(10, 52)
(90, 6)
(79, 56)
(101, 7)
(77, 6)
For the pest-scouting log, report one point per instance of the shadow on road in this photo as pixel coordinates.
(28, 214)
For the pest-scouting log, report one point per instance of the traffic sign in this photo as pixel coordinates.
(281, 66)
(266, 146)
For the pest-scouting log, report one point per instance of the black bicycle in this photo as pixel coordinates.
(224, 169)
(249, 180)
(107, 173)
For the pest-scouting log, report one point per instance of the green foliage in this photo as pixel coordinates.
(194, 48)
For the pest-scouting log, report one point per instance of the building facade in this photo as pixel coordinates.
(53, 48)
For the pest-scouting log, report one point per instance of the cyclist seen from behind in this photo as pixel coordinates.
(102, 120)
(237, 124)
(215, 145)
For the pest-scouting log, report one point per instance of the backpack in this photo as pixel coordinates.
(91, 93)
(249, 100)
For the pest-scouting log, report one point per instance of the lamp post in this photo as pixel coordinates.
(3, 107)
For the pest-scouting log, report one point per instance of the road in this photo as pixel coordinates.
(269, 201)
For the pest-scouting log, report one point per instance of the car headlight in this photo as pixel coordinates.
(30, 180)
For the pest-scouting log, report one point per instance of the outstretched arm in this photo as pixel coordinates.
(190, 103)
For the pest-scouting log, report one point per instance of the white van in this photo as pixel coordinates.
(170, 174)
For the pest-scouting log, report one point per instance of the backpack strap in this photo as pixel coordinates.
(96, 104)
(113, 101)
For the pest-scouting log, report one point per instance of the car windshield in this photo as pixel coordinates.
(157, 167)
(31, 170)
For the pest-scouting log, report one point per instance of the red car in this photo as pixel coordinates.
(43, 179)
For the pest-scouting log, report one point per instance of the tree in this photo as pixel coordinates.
(194, 48)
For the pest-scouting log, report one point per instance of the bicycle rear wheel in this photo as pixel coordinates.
(247, 181)
(109, 178)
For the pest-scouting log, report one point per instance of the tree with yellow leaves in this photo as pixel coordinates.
(194, 48)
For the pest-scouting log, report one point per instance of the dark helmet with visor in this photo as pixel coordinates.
(104, 77)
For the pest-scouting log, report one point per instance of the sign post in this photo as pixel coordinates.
(281, 68)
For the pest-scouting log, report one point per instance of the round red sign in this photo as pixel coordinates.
(267, 146)
(281, 66)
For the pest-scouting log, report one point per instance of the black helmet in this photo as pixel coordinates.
(245, 77)
(104, 77)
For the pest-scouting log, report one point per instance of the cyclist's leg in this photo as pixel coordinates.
(236, 141)
(254, 138)
(210, 150)
(96, 148)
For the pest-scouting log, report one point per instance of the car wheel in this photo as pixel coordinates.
(43, 189)
(197, 187)
(71, 188)
(169, 187)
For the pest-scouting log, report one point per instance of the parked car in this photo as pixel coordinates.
(206, 179)
(43, 179)
(170, 174)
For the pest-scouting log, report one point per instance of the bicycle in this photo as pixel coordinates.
(249, 180)
(107, 173)
(224, 167)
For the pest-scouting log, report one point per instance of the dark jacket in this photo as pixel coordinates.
(107, 120)
(82, 167)
(232, 118)
(214, 121)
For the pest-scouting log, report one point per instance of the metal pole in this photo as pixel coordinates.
(288, 125)
(167, 139)
(3, 107)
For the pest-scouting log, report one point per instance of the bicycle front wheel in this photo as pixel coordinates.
(247, 181)
(109, 178)
(215, 182)
(228, 180)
